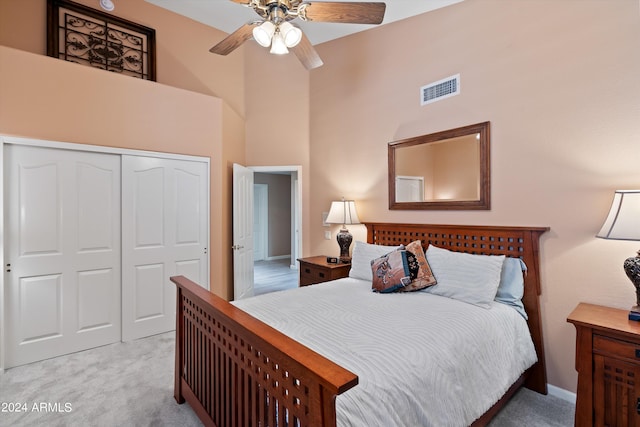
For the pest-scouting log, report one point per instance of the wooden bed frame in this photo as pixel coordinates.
(234, 370)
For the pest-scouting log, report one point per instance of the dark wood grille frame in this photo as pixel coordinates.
(147, 57)
(235, 370)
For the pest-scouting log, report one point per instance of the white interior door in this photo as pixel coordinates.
(242, 232)
(63, 250)
(165, 211)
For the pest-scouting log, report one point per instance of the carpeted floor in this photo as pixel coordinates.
(131, 384)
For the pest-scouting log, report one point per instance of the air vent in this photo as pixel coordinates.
(439, 90)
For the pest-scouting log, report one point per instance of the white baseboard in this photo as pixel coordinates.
(561, 393)
(273, 258)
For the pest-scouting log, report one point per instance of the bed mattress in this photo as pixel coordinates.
(421, 359)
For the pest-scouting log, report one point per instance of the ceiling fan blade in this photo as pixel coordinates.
(244, 2)
(307, 54)
(235, 39)
(344, 13)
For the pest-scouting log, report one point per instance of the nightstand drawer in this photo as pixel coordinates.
(312, 274)
(317, 270)
(617, 348)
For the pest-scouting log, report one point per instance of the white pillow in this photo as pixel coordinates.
(466, 277)
(361, 258)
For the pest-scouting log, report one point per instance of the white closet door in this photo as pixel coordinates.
(63, 247)
(165, 212)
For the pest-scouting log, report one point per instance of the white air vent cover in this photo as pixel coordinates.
(439, 90)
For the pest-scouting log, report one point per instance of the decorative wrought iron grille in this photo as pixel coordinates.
(87, 36)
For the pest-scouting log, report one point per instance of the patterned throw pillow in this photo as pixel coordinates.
(393, 271)
(362, 255)
(425, 277)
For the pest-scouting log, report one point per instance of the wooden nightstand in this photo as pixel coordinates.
(316, 269)
(608, 365)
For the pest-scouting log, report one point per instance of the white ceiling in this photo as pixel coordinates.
(228, 16)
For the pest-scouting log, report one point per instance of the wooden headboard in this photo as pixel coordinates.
(517, 242)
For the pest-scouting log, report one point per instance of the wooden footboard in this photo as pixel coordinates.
(234, 370)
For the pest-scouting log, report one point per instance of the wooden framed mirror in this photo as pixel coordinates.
(447, 170)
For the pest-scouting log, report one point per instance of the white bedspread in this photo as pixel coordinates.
(421, 359)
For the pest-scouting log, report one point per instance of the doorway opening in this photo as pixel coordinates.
(276, 219)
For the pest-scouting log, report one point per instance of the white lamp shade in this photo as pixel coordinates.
(290, 34)
(343, 212)
(263, 33)
(623, 221)
(277, 45)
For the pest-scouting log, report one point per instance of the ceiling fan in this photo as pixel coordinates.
(276, 31)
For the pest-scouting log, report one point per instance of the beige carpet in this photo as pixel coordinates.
(131, 384)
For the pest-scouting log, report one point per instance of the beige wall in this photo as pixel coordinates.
(277, 113)
(46, 98)
(114, 111)
(182, 45)
(559, 82)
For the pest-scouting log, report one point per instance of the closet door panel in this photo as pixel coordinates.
(96, 208)
(188, 208)
(62, 209)
(41, 295)
(148, 199)
(149, 292)
(98, 301)
(39, 219)
(165, 224)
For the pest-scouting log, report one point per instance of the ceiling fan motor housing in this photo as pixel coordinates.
(278, 11)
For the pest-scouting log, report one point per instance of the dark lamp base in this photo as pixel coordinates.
(632, 268)
(344, 239)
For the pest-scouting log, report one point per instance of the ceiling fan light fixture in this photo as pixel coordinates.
(277, 45)
(263, 33)
(290, 34)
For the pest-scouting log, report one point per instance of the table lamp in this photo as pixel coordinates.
(343, 212)
(623, 223)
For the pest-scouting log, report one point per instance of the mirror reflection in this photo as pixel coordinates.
(445, 170)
